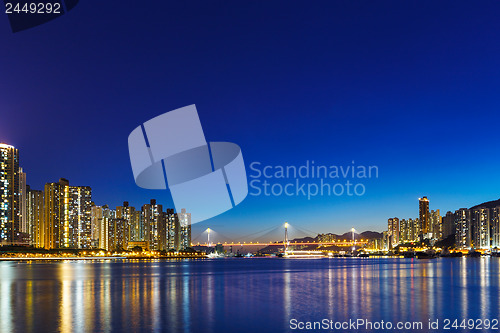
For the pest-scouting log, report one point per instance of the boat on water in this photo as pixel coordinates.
(303, 254)
(215, 255)
(298, 254)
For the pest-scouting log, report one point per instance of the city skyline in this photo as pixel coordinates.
(476, 227)
(64, 216)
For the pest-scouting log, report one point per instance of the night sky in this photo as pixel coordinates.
(410, 86)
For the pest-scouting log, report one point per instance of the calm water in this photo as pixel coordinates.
(241, 295)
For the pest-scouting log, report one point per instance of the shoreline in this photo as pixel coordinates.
(207, 258)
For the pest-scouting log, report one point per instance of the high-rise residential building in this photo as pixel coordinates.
(385, 240)
(424, 216)
(57, 230)
(463, 228)
(80, 205)
(138, 225)
(435, 224)
(416, 229)
(95, 220)
(127, 213)
(393, 231)
(102, 218)
(184, 229)
(9, 194)
(409, 230)
(35, 215)
(173, 230)
(67, 215)
(376, 243)
(154, 221)
(23, 214)
(118, 234)
(495, 227)
(405, 231)
(163, 230)
(448, 224)
(480, 221)
(169, 235)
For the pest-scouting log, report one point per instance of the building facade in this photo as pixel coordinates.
(9, 195)
(23, 213)
(101, 219)
(35, 214)
(448, 224)
(424, 216)
(133, 220)
(480, 220)
(79, 210)
(118, 234)
(67, 217)
(393, 232)
(463, 237)
(185, 230)
(435, 225)
(495, 227)
(154, 224)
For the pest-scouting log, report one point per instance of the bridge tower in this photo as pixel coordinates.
(285, 243)
(353, 241)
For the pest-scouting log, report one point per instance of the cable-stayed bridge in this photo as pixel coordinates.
(303, 237)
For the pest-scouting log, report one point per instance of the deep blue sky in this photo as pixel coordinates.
(410, 86)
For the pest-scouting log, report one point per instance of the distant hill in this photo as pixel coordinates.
(489, 204)
(372, 235)
(305, 239)
(363, 235)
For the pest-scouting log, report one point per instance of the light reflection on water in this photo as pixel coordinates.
(241, 295)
